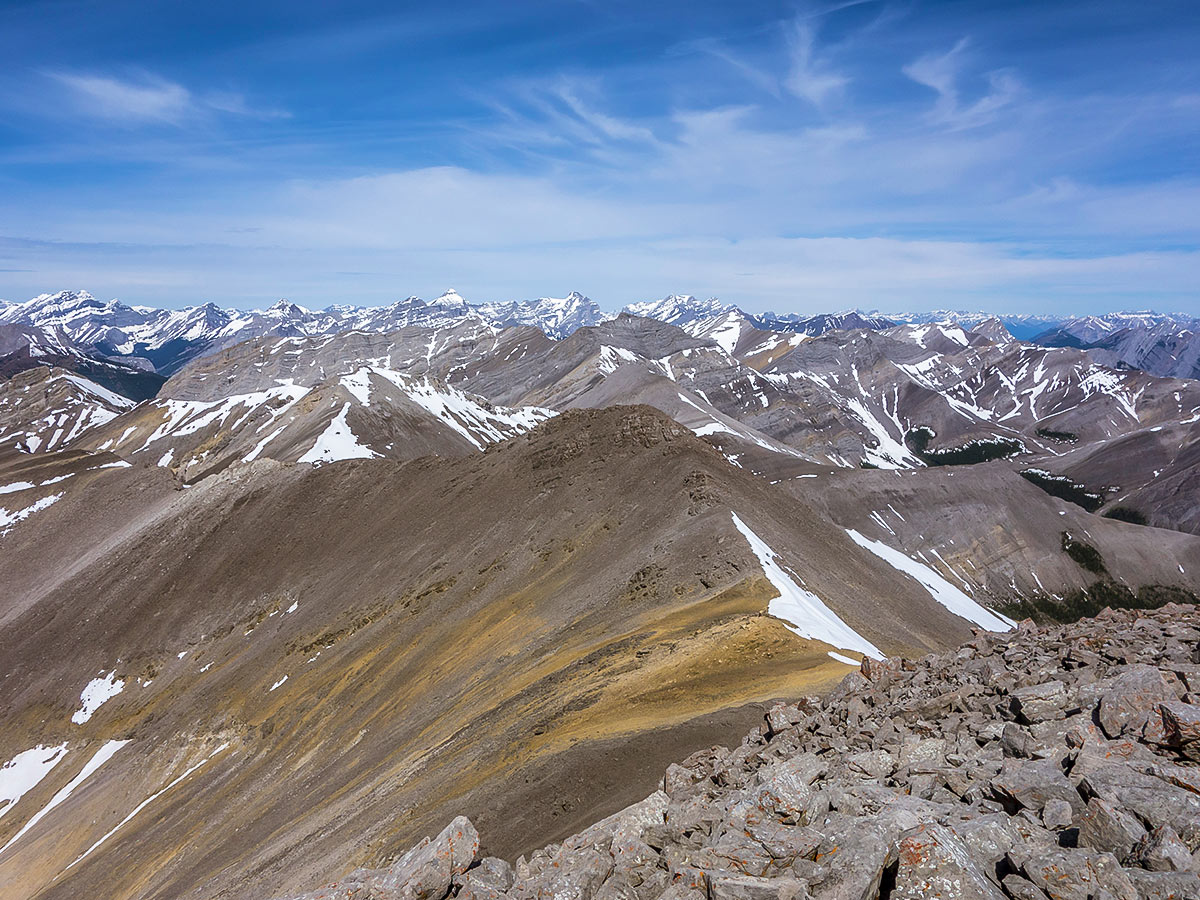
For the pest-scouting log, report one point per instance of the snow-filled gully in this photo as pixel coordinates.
(804, 612)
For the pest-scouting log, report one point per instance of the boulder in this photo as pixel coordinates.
(1041, 702)
(1164, 885)
(488, 880)
(1109, 829)
(1057, 814)
(1181, 727)
(1068, 874)
(1162, 851)
(729, 886)
(1127, 700)
(575, 874)
(427, 871)
(1033, 783)
(785, 789)
(934, 863)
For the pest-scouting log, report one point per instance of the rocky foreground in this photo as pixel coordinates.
(1059, 762)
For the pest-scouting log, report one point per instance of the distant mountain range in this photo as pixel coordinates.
(163, 341)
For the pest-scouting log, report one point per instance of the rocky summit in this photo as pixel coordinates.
(1047, 762)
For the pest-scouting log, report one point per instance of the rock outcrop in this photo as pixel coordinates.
(1055, 763)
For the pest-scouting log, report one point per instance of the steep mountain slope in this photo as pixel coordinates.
(354, 569)
(848, 320)
(1151, 475)
(44, 408)
(1089, 329)
(908, 396)
(313, 400)
(311, 638)
(1167, 346)
(166, 340)
(681, 310)
(1024, 327)
(131, 383)
(557, 318)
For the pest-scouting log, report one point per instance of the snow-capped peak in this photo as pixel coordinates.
(285, 309)
(679, 309)
(450, 299)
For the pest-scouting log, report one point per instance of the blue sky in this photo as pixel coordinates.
(1020, 157)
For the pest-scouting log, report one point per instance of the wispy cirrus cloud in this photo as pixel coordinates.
(811, 77)
(942, 72)
(149, 98)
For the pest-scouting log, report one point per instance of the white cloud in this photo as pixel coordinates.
(609, 126)
(496, 237)
(110, 98)
(150, 99)
(810, 77)
(941, 73)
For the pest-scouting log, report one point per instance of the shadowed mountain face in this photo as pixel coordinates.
(323, 592)
(1160, 345)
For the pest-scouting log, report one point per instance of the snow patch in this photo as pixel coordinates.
(137, 809)
(845, 659)
(25, 771)
(9, 519)
(805, 612)
(938, 587)
(337, 442)
(97, 692)
(99, 758)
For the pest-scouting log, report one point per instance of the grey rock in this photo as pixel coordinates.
(934, 862)
(1162, 851)
(1033, 783)
(989, 837)
(1181, 727)
(1127, 700)
(681, 891)
(1108, 828)
(1022, 888)
(574, 875)
(1057, 814)
(853, 860)
(1164, 885)
(783, 716)
(1015, 741)
(426, 871)
(488, 880)
(1068, 874)
(872, 763)
(626, 825)
(923, 757)
(785, 787)
(1041, 702)
(1153, 800)
(730, 886)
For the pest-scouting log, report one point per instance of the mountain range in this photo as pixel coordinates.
(163, 340)
(287, 590)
